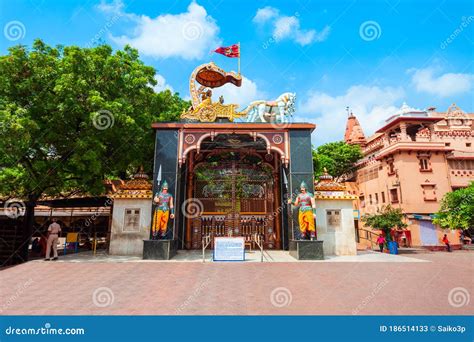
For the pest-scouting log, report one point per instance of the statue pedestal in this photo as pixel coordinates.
(306, 249)
(159, 249)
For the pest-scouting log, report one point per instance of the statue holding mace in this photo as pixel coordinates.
(307, 212)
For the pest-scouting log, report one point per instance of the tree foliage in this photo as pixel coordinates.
(71, 117)
(457, 209)
(386, 219)
(337, 157)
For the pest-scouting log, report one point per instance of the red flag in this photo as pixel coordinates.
(232, 51)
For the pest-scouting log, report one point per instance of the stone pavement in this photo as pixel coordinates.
(253, 256)
(427, 283)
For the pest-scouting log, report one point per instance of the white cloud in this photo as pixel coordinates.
(284, 27)
(264, 14)
(371, 105)
(189, 35)
(323, 34)
(115, 7)
(445, 85)
(242, 95)
(161, 84)
(289, 27)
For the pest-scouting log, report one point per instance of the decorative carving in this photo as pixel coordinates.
(327, 188)
(277, 139)
(185, 146)
(455, 112)
(190, 139)
(137, 187)
(424, 132)
(456, 117)
(203, 109)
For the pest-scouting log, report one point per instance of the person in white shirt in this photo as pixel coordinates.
(53, 230)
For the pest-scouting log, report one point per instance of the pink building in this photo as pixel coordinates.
(411, 162)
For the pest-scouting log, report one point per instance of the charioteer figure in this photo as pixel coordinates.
(306, 213)
(164, 204)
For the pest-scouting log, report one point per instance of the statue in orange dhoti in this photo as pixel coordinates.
(306, 213)
(164, 204)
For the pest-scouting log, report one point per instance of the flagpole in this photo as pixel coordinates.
(239, 58)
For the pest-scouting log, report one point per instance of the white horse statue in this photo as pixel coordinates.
(272, 111)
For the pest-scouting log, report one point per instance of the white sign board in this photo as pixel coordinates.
(229, 249)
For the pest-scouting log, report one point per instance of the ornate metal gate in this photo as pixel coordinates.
(236, 194)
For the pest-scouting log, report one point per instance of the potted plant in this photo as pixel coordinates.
(386, 219)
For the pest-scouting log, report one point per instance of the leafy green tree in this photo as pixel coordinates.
(337, 157)
(71, 117)
(457, 209)
(386, 219)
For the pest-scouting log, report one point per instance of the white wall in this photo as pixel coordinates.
(129, 243)
(339, 240)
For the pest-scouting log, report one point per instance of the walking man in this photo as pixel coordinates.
(54, 229)
(446, 242)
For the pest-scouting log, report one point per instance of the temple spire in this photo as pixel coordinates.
(354, 133)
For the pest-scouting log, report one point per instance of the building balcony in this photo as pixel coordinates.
(409, 145)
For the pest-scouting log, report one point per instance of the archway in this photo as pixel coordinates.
(235, 186)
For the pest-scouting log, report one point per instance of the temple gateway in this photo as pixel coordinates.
(225, 172)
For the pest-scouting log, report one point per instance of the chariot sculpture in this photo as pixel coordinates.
(209, 76)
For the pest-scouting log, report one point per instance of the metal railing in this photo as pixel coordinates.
(206, 241)
(368, 236)
(258, 239)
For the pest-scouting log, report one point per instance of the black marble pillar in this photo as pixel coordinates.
(159, 249)
(307, 249)
(166, 160)
(300, 169)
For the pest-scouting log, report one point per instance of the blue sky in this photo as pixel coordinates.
(369, 55)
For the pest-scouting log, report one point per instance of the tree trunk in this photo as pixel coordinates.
(28, 224)
(388, 235)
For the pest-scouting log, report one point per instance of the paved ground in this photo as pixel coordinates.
(442, 284)
(253, 256)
